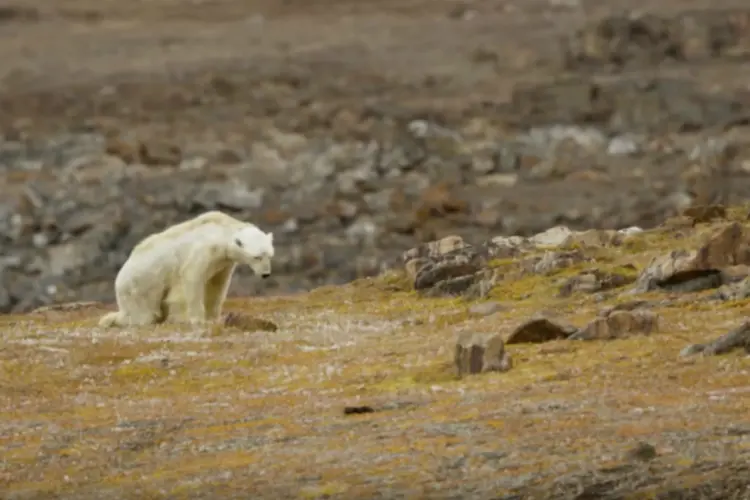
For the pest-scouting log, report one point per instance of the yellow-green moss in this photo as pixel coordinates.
(436, 373)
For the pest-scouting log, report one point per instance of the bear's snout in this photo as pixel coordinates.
(265, 275)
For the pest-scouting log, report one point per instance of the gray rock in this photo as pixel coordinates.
(623, 145)
(229, 195)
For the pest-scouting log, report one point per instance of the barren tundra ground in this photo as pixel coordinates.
(167, 412)
(114, 116)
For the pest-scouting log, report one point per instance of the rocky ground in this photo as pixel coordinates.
(354, 130)
(596, 364)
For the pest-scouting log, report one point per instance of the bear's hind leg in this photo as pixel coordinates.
(140, 310)
(137, 306)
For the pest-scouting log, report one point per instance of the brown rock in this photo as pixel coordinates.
(480, 353)
(539, 330)
(150, 152)
(728, 246)
(156, 153)
(275, 217)
(438, 201)
(127, 151)
(619, 324)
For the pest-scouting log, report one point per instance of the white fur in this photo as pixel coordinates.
(183, 273)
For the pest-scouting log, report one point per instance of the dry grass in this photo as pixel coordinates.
(165, 412)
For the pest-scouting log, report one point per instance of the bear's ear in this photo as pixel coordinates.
(238, 242)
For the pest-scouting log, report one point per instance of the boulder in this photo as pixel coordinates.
(480, 353)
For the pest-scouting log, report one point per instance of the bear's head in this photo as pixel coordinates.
(253, 247)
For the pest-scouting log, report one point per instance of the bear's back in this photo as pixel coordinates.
(176, 231)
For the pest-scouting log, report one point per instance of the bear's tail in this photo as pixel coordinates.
(111, 319)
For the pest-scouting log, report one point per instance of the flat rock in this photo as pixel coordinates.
(594, 238)
(625, 306)
(553, 236)
(734, 291)
(693, 270)
(596, 280)
(735, 339)
(619, 324)
(434, 249)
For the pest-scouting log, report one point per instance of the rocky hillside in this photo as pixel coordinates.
(533, 114)
(594, 364)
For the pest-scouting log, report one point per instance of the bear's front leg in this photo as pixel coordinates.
(194, 288)
(216, 292)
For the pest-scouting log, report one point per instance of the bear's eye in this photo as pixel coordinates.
(238, 242)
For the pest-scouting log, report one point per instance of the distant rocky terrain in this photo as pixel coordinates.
(625, 119)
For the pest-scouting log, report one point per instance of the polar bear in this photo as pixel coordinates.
(183, 273)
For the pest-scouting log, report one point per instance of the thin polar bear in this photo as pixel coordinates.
(182, 274)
